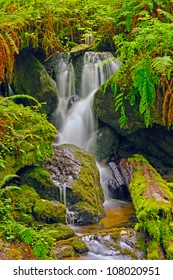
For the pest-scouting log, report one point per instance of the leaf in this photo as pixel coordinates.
(8, 178)
(162, 64)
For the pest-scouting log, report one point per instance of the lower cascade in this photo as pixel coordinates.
(77, 125)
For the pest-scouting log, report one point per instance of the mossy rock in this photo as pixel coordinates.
(63, 251)
(104, 105)
(50, 211)
(40, 180)
(15, 251)
(31, 78)
(26, 138)
(58, 231)
(86, 213)
(80, 246)
(25, 199)
(23, 218)
(76, 169)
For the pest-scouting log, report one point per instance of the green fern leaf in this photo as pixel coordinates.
(7, 178)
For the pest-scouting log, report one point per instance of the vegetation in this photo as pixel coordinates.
(152, 200)
(144, 46)
(140, 33)
(21, 136)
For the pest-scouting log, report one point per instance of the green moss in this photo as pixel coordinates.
(64, 251)
(23, 218)
(40, 180)
(79, 246)
(50, 211)
(170, 184)
(58, 231)
(152, 227)
(25, 199)
(152, 200)
(153, 250)
(26, 137)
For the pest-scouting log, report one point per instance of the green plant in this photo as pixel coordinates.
(41, 243)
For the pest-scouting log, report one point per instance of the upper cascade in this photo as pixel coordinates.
(78, 121)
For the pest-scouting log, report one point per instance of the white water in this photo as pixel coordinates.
(78, 127)
(78, 123)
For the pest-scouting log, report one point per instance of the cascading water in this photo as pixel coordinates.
(79, 126)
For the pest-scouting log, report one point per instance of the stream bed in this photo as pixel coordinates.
(118, 213)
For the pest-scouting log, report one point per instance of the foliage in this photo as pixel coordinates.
(144, 47)
(9, 46)
(21, 133)
(152, 200)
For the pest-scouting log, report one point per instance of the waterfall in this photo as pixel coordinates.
(62, 193)
(79, 127)
(65, 82)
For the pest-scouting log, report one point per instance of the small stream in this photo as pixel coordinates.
(117, 214)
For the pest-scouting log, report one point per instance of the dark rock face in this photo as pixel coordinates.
(153, 142)
(107, 141)
(104, 105)
(75, 170)
(30, 77)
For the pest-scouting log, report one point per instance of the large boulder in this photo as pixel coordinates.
(104, 105)
(75, 173)
(31, 78)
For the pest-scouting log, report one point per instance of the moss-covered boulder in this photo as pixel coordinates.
(70, 248)
(25, 198)
(40, 180)
(58, 231)
(76, 174)
(26, 137)
(31, 78)
(50, 211)
(104, 105)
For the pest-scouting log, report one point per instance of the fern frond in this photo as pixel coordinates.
(168, 15)
(162, 64)
(22, 96)
(7, 178)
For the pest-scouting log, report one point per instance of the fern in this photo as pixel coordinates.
(145, 82)
(162, 65)
(21, 96)
(119, 101)
(7, 178)
(168, 15)
(123, 119)
(9, 46)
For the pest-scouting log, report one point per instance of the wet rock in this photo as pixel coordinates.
(128, 243)
(76, 170)
(107, 142)
(30, 77)
(72, 100)
(63, 251)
